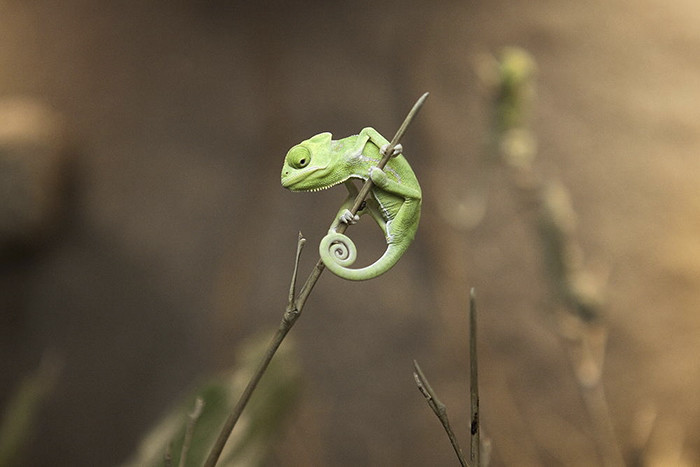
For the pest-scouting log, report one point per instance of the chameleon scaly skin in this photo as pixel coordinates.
(321, 162)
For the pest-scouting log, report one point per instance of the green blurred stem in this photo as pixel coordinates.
(23, 408)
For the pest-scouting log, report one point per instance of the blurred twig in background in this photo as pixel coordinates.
(578, 294)
(187, 431)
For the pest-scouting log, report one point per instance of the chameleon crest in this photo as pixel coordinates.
(394, 203)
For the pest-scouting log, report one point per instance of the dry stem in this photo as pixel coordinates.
(439, 409)
(475, 425)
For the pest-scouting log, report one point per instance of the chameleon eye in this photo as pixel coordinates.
(299, 157)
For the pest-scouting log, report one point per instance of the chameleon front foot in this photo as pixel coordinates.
(398, 149)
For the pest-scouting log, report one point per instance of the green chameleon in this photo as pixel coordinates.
(321, 162)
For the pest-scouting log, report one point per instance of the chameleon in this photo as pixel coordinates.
(321, 162)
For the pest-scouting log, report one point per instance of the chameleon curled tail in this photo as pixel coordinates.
(338, 252)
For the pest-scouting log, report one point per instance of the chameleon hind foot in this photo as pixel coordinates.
(348, 218)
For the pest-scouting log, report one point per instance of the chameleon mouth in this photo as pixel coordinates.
(290, 185)
(325, 187)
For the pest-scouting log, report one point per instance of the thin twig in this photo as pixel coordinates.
(439, 409)
(292, 287)
(295, 306)
(189, 430)
(475, 427)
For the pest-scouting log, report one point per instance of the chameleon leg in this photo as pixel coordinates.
(380, 179)
(344, 215)
(369, 133)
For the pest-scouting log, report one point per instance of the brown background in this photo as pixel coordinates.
(179, 241)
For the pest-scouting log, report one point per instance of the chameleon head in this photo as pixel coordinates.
(309, 166)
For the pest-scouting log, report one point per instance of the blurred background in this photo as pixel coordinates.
(145, 233)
